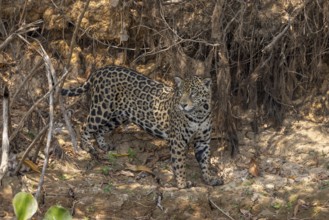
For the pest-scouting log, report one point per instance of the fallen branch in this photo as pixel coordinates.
(221, 210)
(5, 140)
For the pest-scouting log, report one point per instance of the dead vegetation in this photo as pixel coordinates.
(268, 61)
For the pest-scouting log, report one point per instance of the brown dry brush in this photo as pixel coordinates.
(276, 55)
(263, 56)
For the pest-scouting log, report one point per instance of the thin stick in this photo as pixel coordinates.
(44, 129)
(75, 33)
(221, 210)
(35, 156)
(270, 46)
(7, 41)
(60, 98)
(50, 77)
(21, 86)
(5, 140)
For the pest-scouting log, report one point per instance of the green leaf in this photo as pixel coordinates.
(25, 205)
(57, 212)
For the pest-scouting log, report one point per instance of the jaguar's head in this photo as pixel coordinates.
(194, 94)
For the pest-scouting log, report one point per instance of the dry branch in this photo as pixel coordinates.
(29, 148)
(50, 76)
(22, 30)
(270, 46)
(7, 41)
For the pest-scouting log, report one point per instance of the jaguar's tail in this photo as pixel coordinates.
(76, 91)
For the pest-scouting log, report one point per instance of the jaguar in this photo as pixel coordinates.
(180, 114)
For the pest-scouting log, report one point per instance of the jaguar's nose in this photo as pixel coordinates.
(183, 105)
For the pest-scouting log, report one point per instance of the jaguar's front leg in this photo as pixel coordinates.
(202, 154)
(178, 160)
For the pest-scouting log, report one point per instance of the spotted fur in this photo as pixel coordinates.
(180, 115)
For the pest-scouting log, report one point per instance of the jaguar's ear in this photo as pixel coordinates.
(178, 81)
(207, 82)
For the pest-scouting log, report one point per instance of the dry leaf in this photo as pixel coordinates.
(139, 168)
(246, 213)
(300, 203)
(126, 173)
(253, 168)
(32, 165)
(296, 210)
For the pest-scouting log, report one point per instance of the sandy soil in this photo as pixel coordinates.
(279, 174)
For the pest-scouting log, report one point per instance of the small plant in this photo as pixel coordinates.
(108, 188)
(131, 153)
(248, 192)
(105, 170)
(57, 212)
(112, 158)
(25, 206)
(289, 205)
(323, 154)
(90, 209)
(63, 177)
(248, 182)
(324, 185)
(276, 205)
(30, 135)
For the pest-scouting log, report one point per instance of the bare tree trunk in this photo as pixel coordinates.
(222, 107)
(5, 134)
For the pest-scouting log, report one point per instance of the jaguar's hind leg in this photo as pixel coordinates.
(101, 140)
(87, 139)
(107, 127)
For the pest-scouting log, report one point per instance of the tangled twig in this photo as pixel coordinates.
(221, 210)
